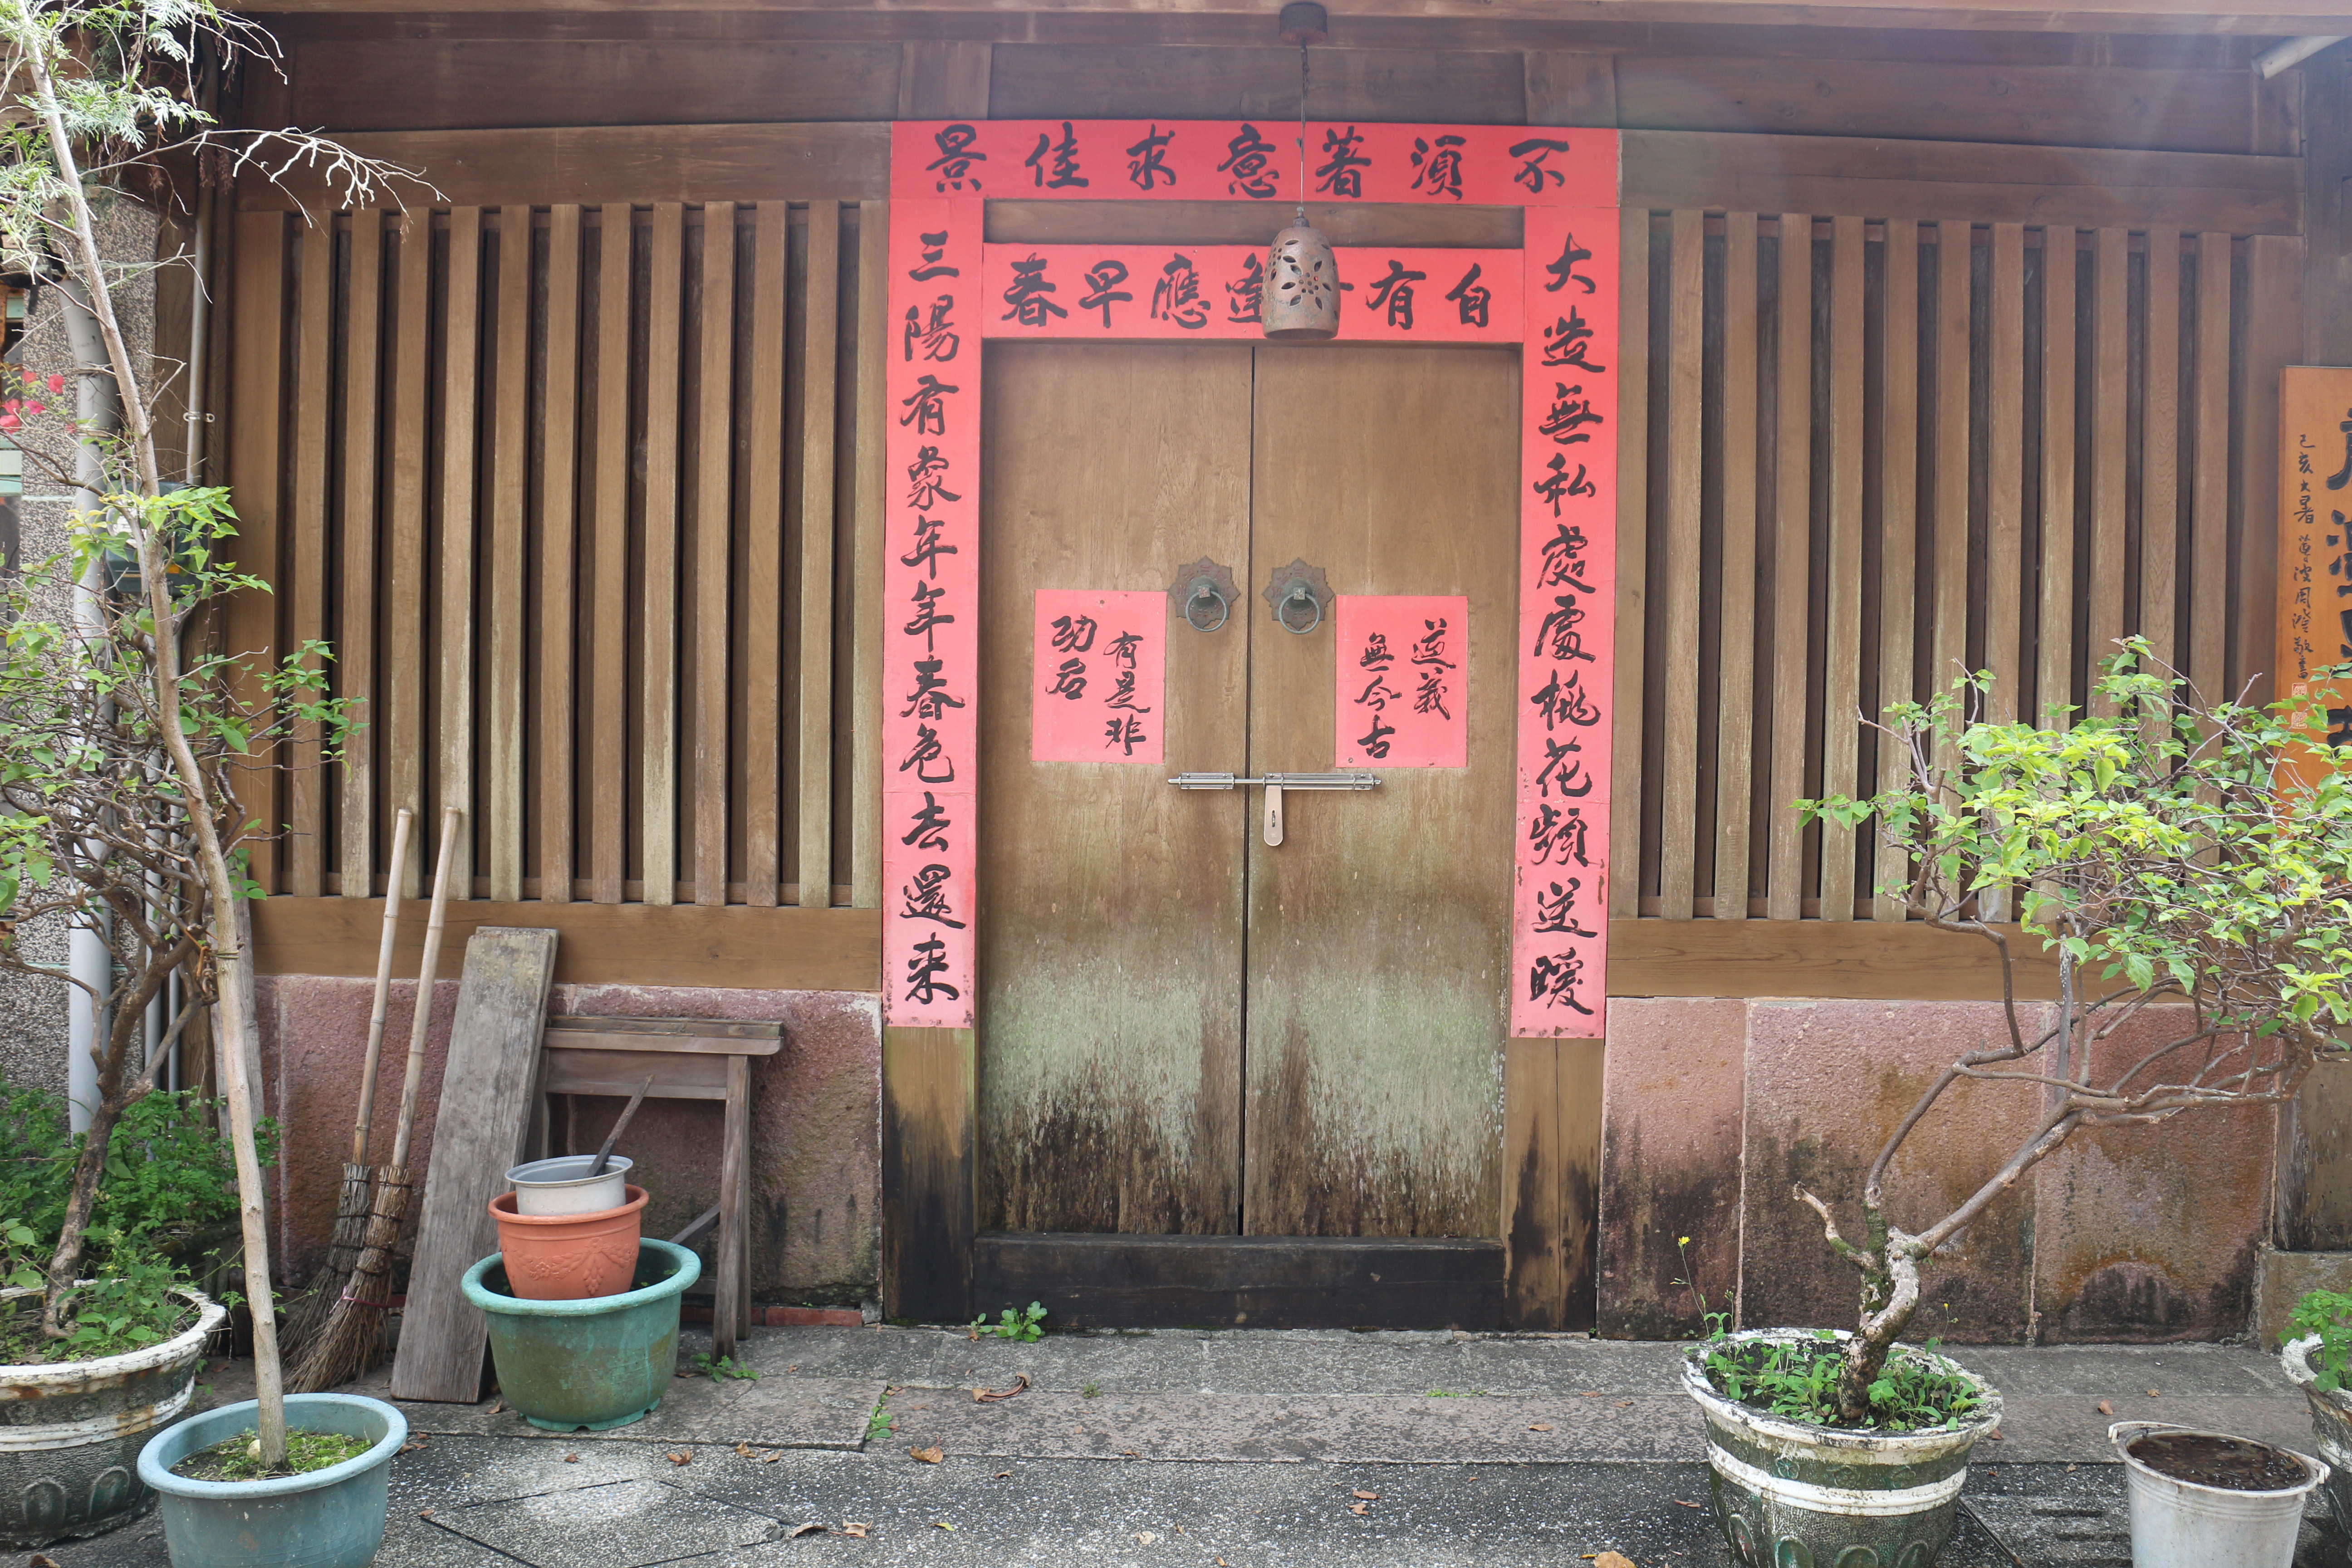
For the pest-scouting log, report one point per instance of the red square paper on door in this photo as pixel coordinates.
(1404, 681)
(1099, 675)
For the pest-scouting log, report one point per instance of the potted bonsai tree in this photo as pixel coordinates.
(2188, 866)
(122, 737)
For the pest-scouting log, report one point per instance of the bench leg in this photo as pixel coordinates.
(728, 1290)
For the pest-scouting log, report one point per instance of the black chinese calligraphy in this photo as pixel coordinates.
(930, 699)
(936, 336)
(1571, 410)
(1074, 633)
(1553, 978)
(929, 546)
(1558, 835)
(1472, 297)
(1122, 650)
(924, 489)
(1439, 164)
(926, 898)
(1566, 342)
(1562, 773)
(1028, 294)
(1557, 634)
(954, 164)
(1534, 153)
(934, 262)
(1556, 909)
(1148, 159)
(1429, 658)
(926, 407)
(1245, 295)
(1563, 559)
(927, 827)
(1342, 172)
(1054, 165)
(1394, 294)
(1249, 160)
(924, 967)
(1556, 483)
(1563, 271)
(927, 759)
(1070, 679)
(1125, 732)
(1176, 295)
(1563, 700)
(1103, 290)
(927, 619)
(1122, 692)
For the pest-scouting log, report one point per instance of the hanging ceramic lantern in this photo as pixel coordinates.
(1301, 300)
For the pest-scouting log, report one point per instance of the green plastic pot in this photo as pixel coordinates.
(595, 1364)
(327, 1518)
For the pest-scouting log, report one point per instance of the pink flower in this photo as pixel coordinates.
(33, 407)
(9, 422)
(56, 384)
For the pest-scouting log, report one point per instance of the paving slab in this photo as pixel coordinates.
(620, 1524)
(1294, 1428)
(2070, 1429)
(779, 1411)
(2076, 1516)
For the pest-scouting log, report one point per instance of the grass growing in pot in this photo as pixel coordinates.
(2163, 848)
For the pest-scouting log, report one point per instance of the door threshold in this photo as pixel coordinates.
(1089, 1281)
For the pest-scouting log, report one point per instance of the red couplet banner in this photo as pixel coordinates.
(1386, 294)
(930, 592)
(1404, 698)
(1254, 161)
(1568, 596)
(1099, 677)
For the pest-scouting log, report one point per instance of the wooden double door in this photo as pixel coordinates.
(1183, 1031)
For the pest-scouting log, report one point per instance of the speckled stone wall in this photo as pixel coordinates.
(816, 1123)
(2126, 1234)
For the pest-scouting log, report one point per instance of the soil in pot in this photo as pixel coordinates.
(1797, 1381)
(238, 1459)
(111, 1316)
(2232, 1464)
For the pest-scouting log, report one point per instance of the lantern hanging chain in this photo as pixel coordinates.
(1302, 133)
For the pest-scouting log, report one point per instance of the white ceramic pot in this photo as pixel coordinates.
(2331, 1424)
(562, 1185)
(2187, 1524)
(70, 1433)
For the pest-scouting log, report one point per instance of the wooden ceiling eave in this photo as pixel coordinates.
(2279, 19)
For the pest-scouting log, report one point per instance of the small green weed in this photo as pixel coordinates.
(1090, 1391)
(238, 1459)
(725, 1367)
(1029, 1324)
(2328, 1314)
(878, 1423)
(1455, 1394)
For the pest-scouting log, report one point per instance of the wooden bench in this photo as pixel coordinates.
(690, 1058)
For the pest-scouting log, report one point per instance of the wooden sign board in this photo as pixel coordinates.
(2315, 578)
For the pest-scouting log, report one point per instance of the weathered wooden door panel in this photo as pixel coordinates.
(1379, 930)
(1111, 946)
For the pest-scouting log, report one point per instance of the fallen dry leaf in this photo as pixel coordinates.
(983, 1396)
(1144, 1538)
(1993, 1436)
(1679, 1503)
(1368, 1497)
(812, 1528)
(1593, 1394)
(2106, 1408)
(1359, 1509)
(683, 1456)
(1129, 1453)
(772, 1455)
(743, 1449)
(570, 1459)
(2151, 1393)
(854, 1528)
(41, 1560)
(1621, 1404)
(1539, 1427)
(1222, 1563)
(928, 1456)
(1612, 1560)
(424, 1513)
(405, 1447)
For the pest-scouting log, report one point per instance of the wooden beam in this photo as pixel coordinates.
(658, 630)
(405, 634)
(2280, 16)
(256, 470)
(1632, 556)
(509, 598)
(870, 482)
(1551, 1168)
(1734, 745)
(763, 560)
(304, 586)
(458, 539)
(735, 947)
(930, 1091)
(1678, 594)
(812, 611)
(2273, 311)
(941, 79)
(1570, 88)
(1790, 640)
(1858, 960)
(559, 524)
(608, 653)
(1841, 734)
(358, 657)
(1898, 510)
(712, 550)
(2053, 680)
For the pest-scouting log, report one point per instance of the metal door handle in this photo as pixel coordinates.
(1274, 784)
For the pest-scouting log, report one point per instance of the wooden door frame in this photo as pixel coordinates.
(942, 274)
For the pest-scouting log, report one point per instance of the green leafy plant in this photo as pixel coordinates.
(1029, 1324)
(2162, 849)
(238, 1459)
(2328, 1314)
(1798, 1380)
(726, 1366)
(877, 1420)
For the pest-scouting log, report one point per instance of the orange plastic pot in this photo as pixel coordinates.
(569, 1256)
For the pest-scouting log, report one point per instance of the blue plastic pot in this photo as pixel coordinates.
(327, 1518)
(596, 1363)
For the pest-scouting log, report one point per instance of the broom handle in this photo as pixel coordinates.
(452, 818)
(400, 823)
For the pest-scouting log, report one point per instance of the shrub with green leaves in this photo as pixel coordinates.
(2328, 1314)
(2186, 863)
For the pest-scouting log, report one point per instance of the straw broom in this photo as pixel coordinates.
(345, 1347)
(311, 1313)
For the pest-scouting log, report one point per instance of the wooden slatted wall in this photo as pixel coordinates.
(572, 492)
(1876, 450)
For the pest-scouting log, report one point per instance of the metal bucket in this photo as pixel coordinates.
(562, 1185)
(2187, 1524)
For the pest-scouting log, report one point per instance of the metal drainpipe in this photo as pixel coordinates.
(2293, 52)
(99, 409)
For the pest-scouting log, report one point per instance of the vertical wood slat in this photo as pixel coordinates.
(509, 590)
(2160, 445)
(404, 634)
(1679, 562)
(255, 454)
(812, 843)
(1633, 545)
(2110, 356)
(657, 613)
(1841, 686)
(2208, 577)
(1791, 553)
(1736, 678)
(1899, 530)
(558, 522)
(608, 704)
(356, 652)
(713, 550)
(2005, 472)
(866, 607)
(1948, 640)
(2274, 318)
(2054, 620)
(764, 561)
(305, 578)
(459, 537)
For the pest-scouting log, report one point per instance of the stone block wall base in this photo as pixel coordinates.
(2282, 1278)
